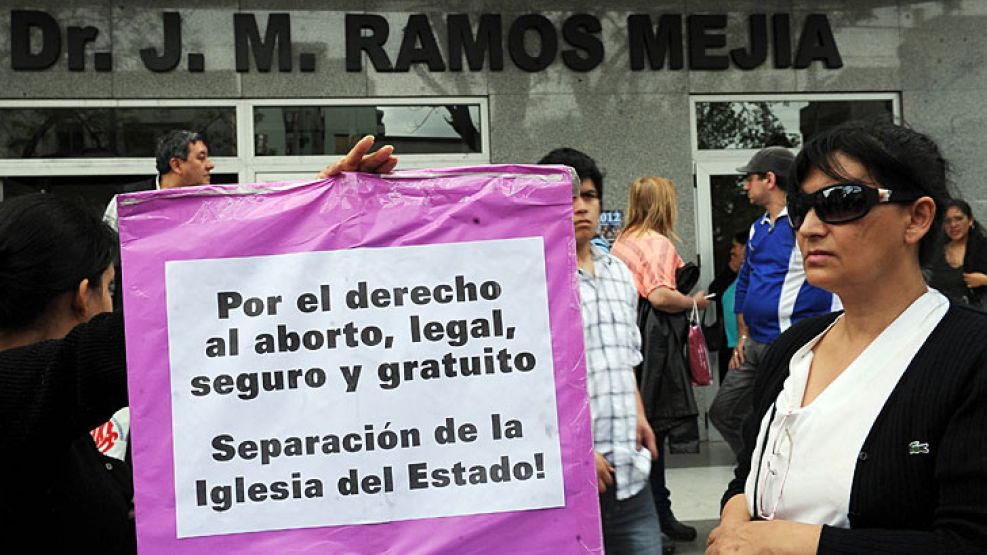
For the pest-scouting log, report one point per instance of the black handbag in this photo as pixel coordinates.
(686, 277)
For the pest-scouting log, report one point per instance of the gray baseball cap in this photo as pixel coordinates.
(776, 159)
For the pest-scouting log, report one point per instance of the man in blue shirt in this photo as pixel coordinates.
(771, 292)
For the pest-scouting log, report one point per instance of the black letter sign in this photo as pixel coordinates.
(547, 49)
(580, 31)
(247, 35)
(372, 43)
(78, 38)
(700, 41)
(172, 51)
(419, 31)
(643, 38)
(783, 40)
(817, 43)
(21, 57)
(488, 38)
(759, 44)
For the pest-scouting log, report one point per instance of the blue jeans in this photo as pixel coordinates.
(630, 526)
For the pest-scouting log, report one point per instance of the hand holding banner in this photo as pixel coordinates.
(402, 352)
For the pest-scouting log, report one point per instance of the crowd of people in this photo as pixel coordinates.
(854, 393)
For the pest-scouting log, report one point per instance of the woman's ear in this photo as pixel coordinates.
(921, 214)
(82, 301)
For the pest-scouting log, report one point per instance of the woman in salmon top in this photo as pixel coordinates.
(646, 246)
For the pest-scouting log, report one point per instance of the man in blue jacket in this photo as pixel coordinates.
(771, 292)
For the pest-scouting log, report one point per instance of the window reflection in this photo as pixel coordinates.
(318, 130)
(757, 124)
(109, 132)
(96, 190)
(731, 213)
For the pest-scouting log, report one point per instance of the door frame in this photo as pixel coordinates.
(724, 163)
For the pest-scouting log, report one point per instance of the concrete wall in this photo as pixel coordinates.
(634, 123)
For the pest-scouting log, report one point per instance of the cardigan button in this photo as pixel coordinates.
(862, 456)
(109, 466)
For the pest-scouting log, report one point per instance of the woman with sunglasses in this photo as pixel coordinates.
(959, 269)
(868, 427)
(62, 373)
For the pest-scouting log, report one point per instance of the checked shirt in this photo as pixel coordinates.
(613, 348)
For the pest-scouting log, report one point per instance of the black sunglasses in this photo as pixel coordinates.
(842, 203)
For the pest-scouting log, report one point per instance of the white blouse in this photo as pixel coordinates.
(811, 452)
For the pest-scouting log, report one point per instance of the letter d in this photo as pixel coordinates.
(348, 485)
(21, 57)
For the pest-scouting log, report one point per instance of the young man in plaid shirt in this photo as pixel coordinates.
(623, 441)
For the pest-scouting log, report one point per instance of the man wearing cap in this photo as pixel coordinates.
(771, 292)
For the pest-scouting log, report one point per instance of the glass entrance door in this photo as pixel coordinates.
(719, 188)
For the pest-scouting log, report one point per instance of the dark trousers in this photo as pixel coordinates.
(733, 402)
(662, 497)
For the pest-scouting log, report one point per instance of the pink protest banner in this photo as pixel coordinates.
(365, 364)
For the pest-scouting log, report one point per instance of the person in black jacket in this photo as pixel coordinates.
(63, 372)
(56, 383)
(867, 434)
(959, 269)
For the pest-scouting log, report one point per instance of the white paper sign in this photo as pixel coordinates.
(362, 386)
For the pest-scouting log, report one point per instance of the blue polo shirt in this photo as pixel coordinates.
(772, 293)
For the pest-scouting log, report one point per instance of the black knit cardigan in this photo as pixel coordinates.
(58, 493)
(903, 501)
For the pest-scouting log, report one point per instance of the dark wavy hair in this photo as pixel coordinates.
(963, 206)
(585, 166)
(48, 245)
(174, 144)
(975, 259)
(897, 157)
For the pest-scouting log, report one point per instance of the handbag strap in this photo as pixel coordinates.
(694, 316)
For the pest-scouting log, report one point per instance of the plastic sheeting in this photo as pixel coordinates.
(355, 211)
